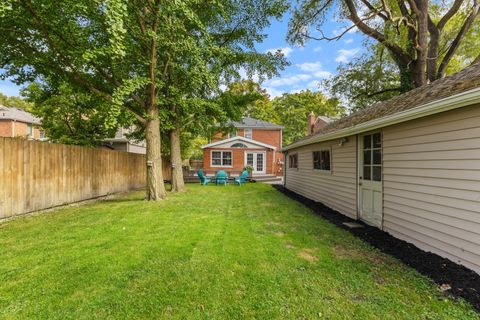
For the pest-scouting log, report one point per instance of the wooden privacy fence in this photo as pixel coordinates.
(39, 175)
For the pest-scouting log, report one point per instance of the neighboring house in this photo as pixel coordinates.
(19, 123)
(409, 166)
(121, 143)
(255, 143)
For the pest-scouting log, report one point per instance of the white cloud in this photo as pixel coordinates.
(315, 68)
(313, 84)
(296, 91)
(286, 51)
(317, 49)
(288, 80)
(273, 92)
(310, 66)
(344, 55)
(322, 74)
(349, 41)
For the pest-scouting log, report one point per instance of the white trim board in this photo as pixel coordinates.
(238, 138)
(463, 99)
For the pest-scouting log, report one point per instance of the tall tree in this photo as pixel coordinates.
(143, 56)
(73, 116)
(368, 79)
(417, 33)
(294, 108)
(195, 73)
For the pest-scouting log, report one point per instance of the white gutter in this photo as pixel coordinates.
(453, 102)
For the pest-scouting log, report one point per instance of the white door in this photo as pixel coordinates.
(370, 179)
(257, 160)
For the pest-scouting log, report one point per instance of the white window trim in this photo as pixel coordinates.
(221, 159)
(245, 133)
(331, 161)
(289, 163)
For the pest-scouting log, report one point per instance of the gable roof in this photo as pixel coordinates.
(239, 138)
(455, 91)
(248, 122)
(18, 115)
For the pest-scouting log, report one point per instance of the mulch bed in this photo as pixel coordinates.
(462, 281)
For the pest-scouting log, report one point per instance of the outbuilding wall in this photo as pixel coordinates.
(336, 189)
(432, 184)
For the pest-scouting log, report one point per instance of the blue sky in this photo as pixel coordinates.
(312, 63)
(309, 64)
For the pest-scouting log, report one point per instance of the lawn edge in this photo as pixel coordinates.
(465, 283)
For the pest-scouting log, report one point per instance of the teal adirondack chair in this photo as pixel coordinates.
(242, 179)
(203, 180)
(221, 178)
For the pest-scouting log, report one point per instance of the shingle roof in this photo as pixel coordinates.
(468, 78)
(18, 115)
(248, 122)
(462, 81)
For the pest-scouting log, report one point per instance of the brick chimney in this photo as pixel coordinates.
(320, 123)
(310, 123)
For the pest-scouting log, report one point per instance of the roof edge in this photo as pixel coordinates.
(463, 99)
(213, 144)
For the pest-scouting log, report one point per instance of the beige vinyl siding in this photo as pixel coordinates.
(432, 184)
(337, 188)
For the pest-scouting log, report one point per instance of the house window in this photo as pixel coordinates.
(321, 160)
(232, 134)
(221, 159)
(372, 157)
(293, 161)
(247, 133)
(29, 130)
(42, 134)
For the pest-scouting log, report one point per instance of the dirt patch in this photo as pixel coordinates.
(307, 254)
(289, 246)
(342, 252)
(462, 281)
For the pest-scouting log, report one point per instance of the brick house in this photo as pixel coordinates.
(255, 143)
(19, 123)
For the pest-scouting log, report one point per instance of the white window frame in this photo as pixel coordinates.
(221, 159)
(250, 130)
(232, 134)
(330, 158)
(290, 163)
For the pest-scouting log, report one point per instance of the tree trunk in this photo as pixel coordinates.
(155, 186)
(178, 184)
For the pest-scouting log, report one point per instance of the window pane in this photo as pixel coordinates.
(316, 160)
(216, 162)
(250, 159)
(377, 156)
(377, 140)
(367, 142)
(367, 173)
(216, 155)
(227, 158)
(247, 133)
(367, 156)
(259, 162)
(326, 160)
(377, 173)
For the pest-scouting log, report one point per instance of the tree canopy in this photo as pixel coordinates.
(152, 58)
(289, 110)
(425, 39)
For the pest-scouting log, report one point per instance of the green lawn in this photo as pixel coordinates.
(210, 253)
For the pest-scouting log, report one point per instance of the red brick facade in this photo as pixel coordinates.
(10, 128)
(273, 161)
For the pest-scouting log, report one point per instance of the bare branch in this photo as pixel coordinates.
(456, 42)
(450, 13)
(394, 48)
